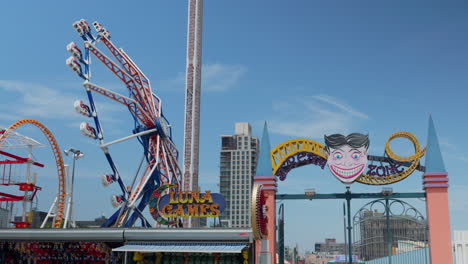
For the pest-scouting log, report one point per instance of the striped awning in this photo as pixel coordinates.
(192, 247)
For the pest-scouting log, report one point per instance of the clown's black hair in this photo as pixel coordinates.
(354, 140)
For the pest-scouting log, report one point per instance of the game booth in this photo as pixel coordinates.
(96, 245)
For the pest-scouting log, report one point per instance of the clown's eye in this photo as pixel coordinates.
(356, 156)
(338, 156)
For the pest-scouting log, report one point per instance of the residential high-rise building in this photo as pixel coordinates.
(238, 161)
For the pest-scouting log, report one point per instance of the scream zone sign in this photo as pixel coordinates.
(347, 158)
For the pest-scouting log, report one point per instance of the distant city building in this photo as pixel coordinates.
(4, 218)
(96, 223)
(460, 247)
(318, 258)
(407, 234)
(238, 161)
(330, 247)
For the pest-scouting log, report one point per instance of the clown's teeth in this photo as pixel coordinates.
(348, 173)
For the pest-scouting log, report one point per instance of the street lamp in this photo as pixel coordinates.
(75, 152)
(387, 191)
(310, 192)
(76, 155)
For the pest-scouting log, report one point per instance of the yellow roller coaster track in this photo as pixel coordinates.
(61, 194)
(414, 159)
(291, 147)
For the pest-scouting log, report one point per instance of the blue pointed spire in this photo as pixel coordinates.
(264, 161)
(434, 161)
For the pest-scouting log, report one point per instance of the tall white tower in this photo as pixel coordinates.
(192, 98)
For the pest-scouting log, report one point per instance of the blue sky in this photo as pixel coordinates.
(308, 68)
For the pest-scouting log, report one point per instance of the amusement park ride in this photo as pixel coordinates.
(151, 128)
(9, 139)
(13, 175)
(346, 156)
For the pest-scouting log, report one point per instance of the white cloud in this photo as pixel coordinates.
(36, 100)
(446, 144)
(9, 117)
(216, 77)
(345, 108)
(221, 77)
(313, 117)
(461, 157)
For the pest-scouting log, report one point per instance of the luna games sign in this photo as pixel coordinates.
(191, 203)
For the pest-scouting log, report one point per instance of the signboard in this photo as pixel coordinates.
(347, 158)
(167, 204)
(192, 203)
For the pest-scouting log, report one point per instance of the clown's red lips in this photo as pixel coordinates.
(347, 172)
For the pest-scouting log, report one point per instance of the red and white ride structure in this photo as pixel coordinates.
(192, 98)
(150, 127)
(18, 182)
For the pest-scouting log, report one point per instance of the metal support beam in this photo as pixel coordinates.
(281, 235)
(352, 196)
(348, 196)
(350, 241)
(387, 231)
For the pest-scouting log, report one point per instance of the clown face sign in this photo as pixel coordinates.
(347, 155)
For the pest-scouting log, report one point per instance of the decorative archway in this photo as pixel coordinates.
(300, 152)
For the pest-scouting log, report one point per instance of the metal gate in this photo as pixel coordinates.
(390, 231)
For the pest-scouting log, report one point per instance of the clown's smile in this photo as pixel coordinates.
(347, 173)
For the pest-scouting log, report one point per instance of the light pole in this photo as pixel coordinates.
(69, 214)
(281, 234)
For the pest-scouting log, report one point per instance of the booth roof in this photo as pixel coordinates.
(127, 234)
(189, 247)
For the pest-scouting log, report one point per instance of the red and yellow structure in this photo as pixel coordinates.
(61, 192)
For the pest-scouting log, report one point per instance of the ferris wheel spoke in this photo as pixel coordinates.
(135, 194)
(129, 66)
(171, 164)
(132, 105)
(153, 161)
(142, 204)
(128, 80)
(164, 164)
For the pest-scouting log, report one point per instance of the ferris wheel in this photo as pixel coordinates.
(150, 127)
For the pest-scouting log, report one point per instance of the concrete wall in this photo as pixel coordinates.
(460, 247)
(419, 256)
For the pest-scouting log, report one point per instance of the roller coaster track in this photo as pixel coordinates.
(61, 194)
